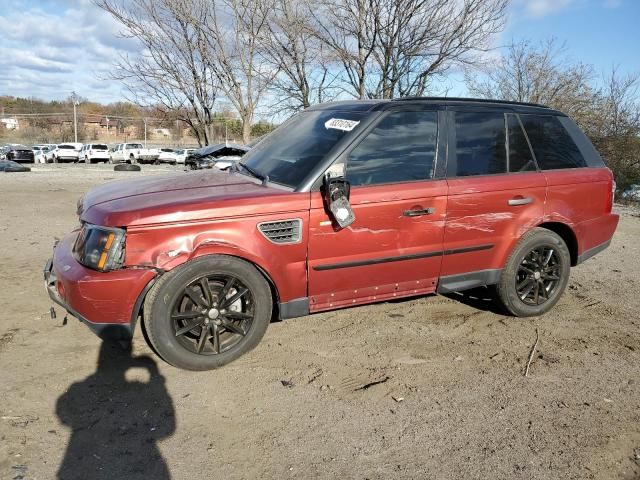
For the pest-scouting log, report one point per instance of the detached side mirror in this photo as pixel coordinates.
(336, 192)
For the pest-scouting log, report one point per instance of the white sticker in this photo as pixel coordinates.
(341, 124)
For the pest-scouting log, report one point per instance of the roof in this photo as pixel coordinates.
(376, 105)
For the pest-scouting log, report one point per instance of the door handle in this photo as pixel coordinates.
(419, 213)
(514, 202)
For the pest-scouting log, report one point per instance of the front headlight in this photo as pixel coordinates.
(100, 248)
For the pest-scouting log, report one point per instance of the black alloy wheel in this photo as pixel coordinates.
(207, 312)
(538, 275)
(535, 275)
(212, 314)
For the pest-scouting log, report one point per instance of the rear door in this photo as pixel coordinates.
(394, 247)
(496, 194)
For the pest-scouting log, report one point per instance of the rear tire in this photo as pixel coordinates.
(536, 274)
(232, 327)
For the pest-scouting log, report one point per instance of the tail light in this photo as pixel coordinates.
(613, 194)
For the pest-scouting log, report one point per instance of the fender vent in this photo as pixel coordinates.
(283, 231)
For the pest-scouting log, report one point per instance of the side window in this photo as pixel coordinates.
(401, 148)
(551, 143)
(480, 143)
(520, 157)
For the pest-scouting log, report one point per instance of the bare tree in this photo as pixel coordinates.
(173, 69)
(234, 33)
(615, 126)
(304, 76)
(348, 28)
(391, 48)
(422, 39)
(539, 73)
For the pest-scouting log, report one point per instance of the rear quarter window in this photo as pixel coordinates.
(552, 145)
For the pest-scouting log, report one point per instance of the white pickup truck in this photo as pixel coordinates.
(132, 153)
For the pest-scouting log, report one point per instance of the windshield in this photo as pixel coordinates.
(97, 146)
(290, 152)
(66, 147)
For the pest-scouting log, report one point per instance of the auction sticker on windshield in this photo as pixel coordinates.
(341, 124)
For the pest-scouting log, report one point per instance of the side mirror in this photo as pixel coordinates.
(336, 192)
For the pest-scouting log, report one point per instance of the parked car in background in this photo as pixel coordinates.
(94, 153)
(206, 157)
(345, 204)
(132, 153)
(227, 161)
(167, 155)
(182, 154)
(67, 152)
(19, 153)
(40, 153)
(49, 154)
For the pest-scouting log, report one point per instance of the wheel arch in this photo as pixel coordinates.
(138, 309)
(241, 254)
(567, 234)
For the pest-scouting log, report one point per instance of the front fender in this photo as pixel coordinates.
(170, 246)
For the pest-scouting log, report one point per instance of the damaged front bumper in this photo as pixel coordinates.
(107, 302)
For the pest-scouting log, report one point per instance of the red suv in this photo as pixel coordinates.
(344, 204)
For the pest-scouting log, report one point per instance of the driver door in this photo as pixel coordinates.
(394, 247)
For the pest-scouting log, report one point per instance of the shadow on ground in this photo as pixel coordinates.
(117, 415)
(481, 298)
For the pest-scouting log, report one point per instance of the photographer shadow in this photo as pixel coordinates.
(116, 423)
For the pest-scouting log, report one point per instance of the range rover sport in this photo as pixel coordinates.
(344, 204)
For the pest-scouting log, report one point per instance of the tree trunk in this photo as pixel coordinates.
(246, 130)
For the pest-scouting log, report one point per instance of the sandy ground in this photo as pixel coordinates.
(451, 402)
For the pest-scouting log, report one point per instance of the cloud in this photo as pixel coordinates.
(542, 8)
(50, 48)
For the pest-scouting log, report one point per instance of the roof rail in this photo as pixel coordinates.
(466, 99)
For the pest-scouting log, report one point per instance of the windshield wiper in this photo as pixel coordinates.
(263, 178)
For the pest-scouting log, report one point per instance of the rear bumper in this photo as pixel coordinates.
(107, 302)
(595, 235)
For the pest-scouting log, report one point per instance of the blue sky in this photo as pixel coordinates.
(50, 48)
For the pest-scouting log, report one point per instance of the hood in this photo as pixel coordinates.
(183, 197)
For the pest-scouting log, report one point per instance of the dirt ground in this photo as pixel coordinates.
(432, 387)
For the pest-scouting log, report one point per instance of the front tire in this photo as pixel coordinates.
(207, 312)
(536, 274)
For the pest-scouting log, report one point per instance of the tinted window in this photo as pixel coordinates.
(520, 157)
(551, 143)
(401, 148)
(290, 152)
(98, 146)
(480, 143)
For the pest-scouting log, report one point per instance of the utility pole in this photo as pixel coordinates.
(145, 132)
(74, 99)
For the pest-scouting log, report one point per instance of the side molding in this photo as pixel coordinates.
(465, 281)
(592, 252)
(294, 308)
